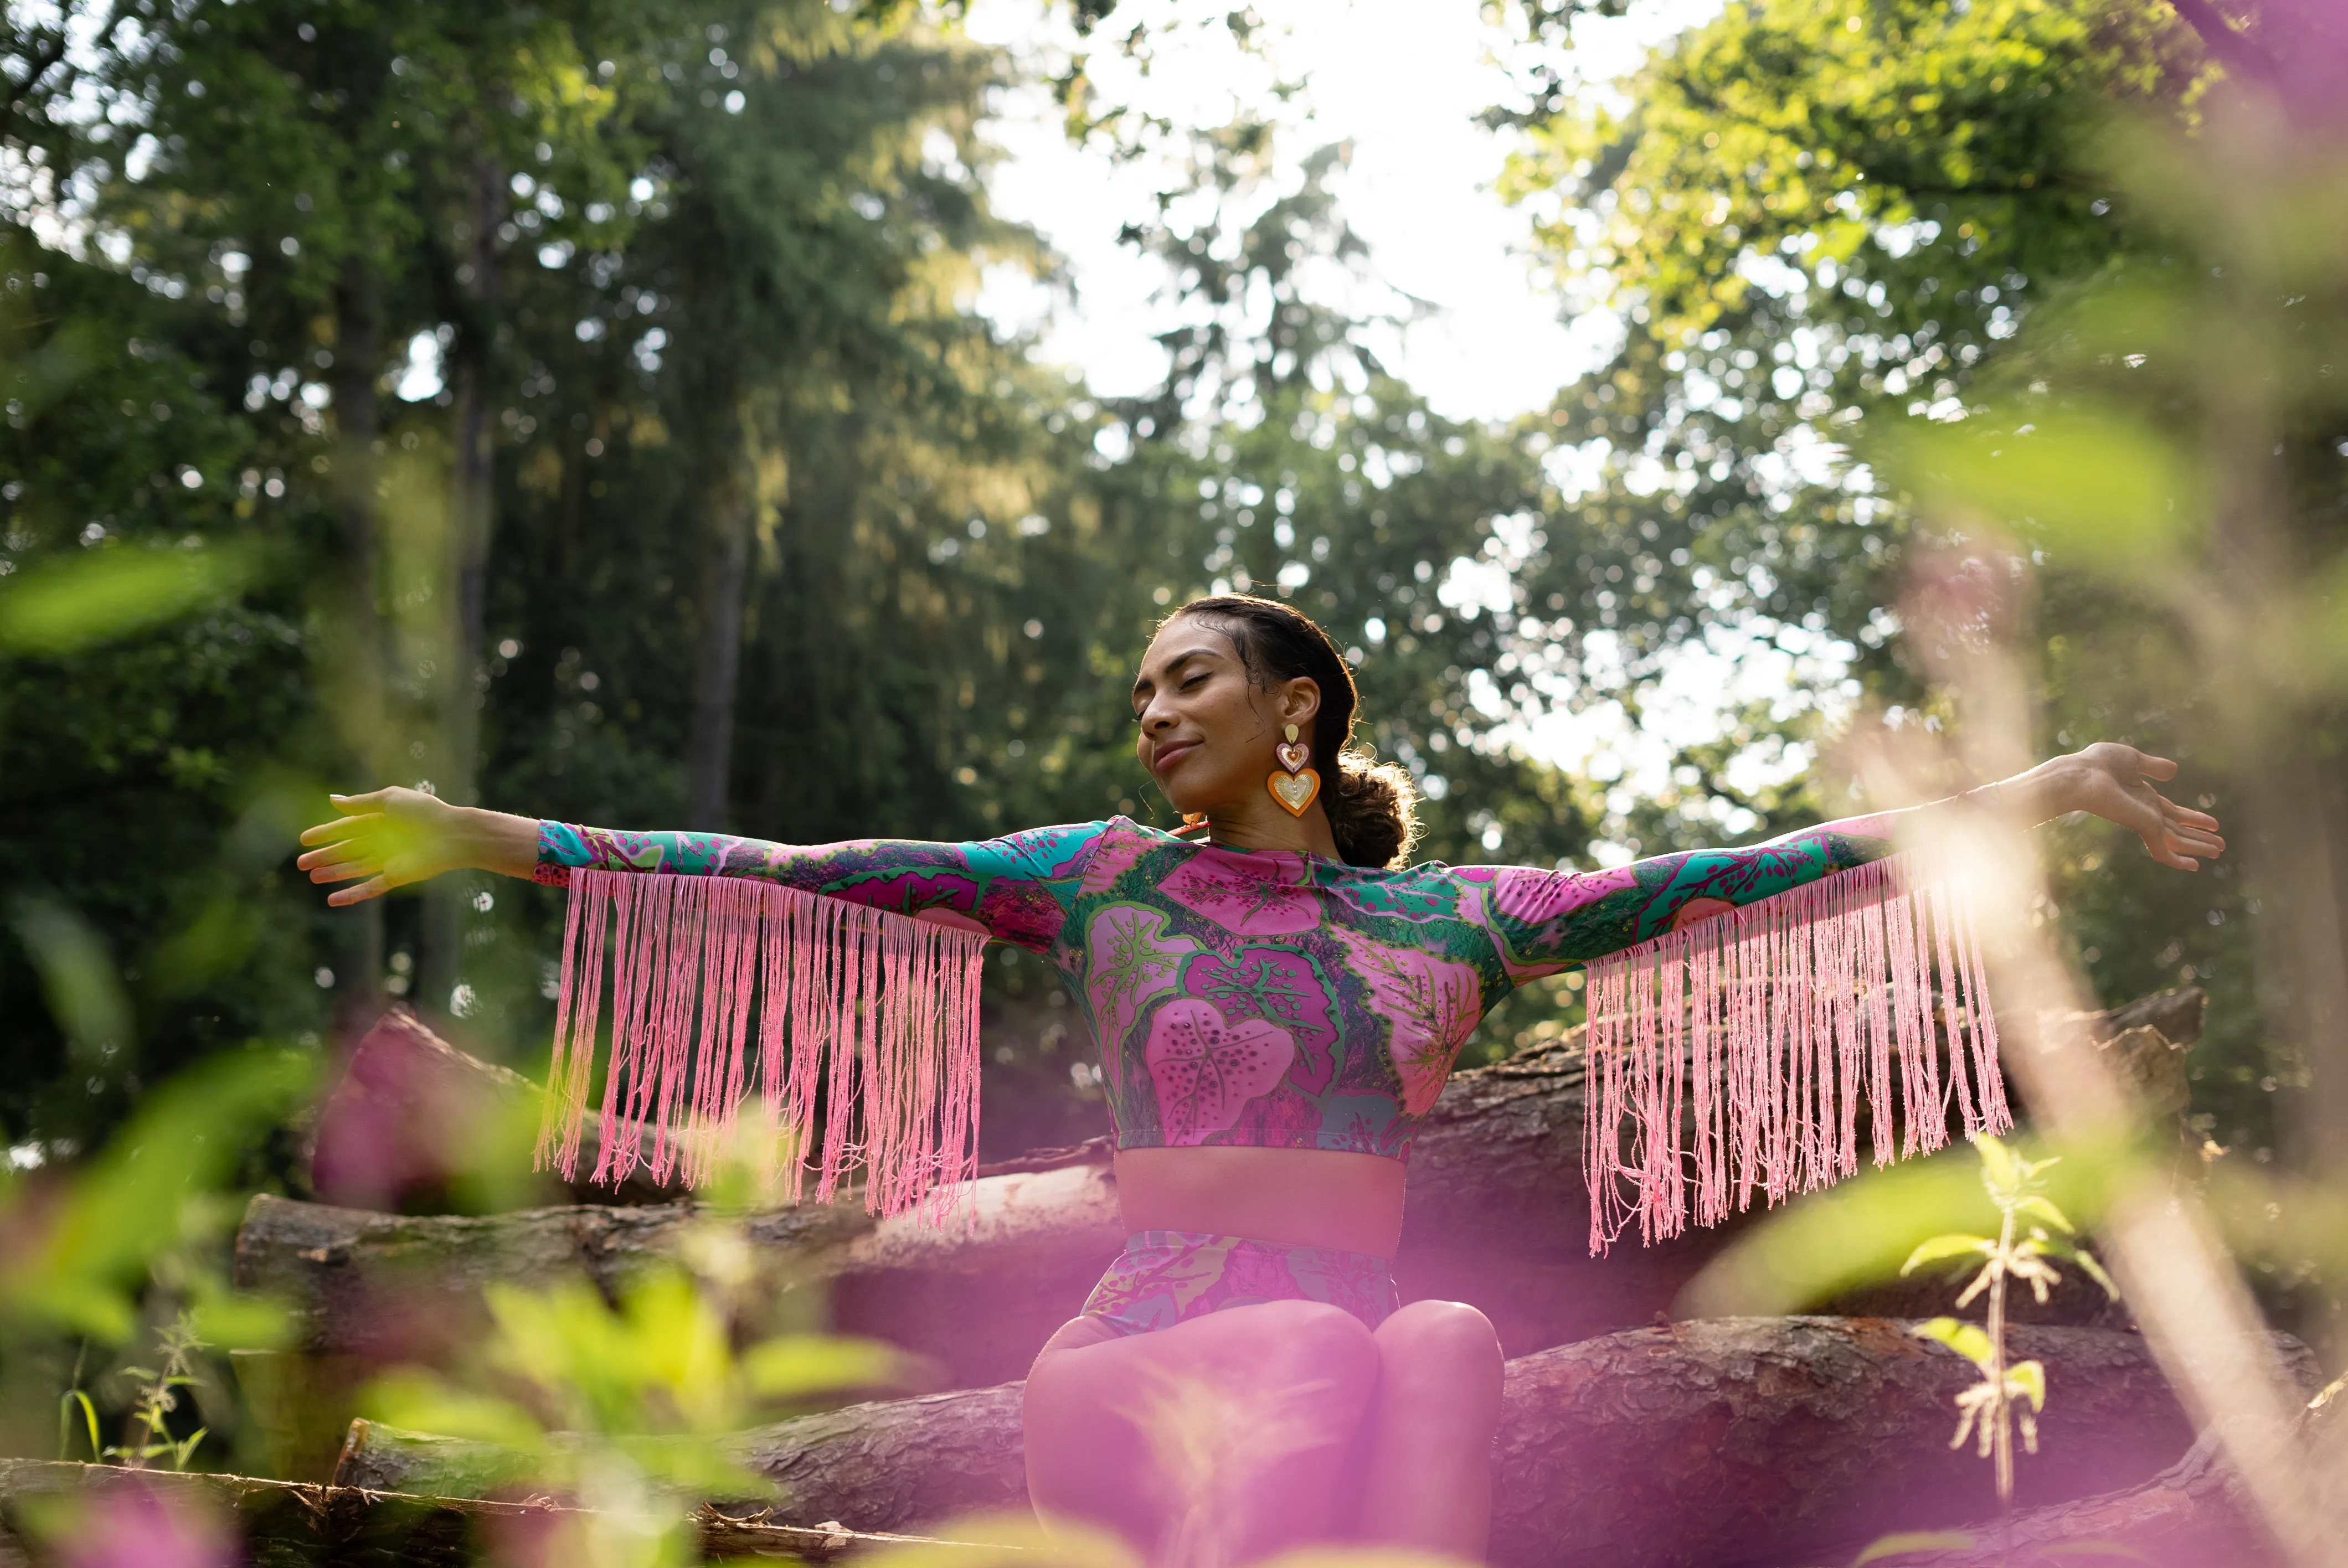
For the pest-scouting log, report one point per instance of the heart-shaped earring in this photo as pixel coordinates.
(1291, 754)
(1296, 788)
(1294, 792)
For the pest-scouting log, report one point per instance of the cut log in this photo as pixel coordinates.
(1730, 1441)
(1498, 1216)
(412, 1115)
(284, 1523)
(2196, 1513)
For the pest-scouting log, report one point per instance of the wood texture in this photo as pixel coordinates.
(287, 1524)
(2194, 1514)
(1712, 1443)
(1497, 1216)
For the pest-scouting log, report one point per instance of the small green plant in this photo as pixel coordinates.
(158, 1396)
(2033, 1235)
(628, 1403)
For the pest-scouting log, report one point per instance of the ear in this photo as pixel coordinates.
(1298, 701)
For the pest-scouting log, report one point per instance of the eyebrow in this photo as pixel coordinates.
(1144, 683)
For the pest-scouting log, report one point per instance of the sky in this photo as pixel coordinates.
(1403, 81)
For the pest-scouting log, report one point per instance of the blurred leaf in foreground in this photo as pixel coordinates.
(1863, 1231)
(73, 603)
(74, 1252)
(625, 1407)
(77, 977)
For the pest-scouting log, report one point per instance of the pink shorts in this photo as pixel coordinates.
(1165, 1277)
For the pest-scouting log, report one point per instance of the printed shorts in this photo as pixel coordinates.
(1165, 1277)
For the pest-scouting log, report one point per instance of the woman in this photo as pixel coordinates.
(1278, 1006)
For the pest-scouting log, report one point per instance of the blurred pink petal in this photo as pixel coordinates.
(132, 1522)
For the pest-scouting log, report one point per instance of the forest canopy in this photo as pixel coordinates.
(584, 408)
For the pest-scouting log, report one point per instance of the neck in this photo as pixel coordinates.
(1265, 826)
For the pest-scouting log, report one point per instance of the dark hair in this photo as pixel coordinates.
(1373, 806)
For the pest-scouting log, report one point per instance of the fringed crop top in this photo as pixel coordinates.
(1265, 998)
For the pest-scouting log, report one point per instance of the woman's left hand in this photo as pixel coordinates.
(2114, 782)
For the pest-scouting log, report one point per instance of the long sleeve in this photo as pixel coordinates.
(1015, 887)
(1544, 921)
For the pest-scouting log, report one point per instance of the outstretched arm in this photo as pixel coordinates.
(388, 838)
(1545, 920)
(2107, 780)
(2115, 782)
(1012, 887)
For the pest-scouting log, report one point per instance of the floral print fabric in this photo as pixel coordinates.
(1266, 999)
(1165, 1277)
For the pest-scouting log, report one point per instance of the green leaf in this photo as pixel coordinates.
(1945, 1247)
(2044, 1210)
(66, 1405)
(102, 595)
(1999, 1172)
(800, 1365)
(2103, 490)
(1965, 1339)
(2027, 1378)
(2095, 1271)
(1908, 1542)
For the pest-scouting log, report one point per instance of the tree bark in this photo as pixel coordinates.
(2194, 1514)
(1733, 1441)
(1498, 1216)
(359, 428)
(472, 513)
(292, 1525)
(717, 660)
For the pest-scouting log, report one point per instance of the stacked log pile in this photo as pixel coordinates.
(1626, 1442)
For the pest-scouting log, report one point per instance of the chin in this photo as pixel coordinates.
(1185, 795)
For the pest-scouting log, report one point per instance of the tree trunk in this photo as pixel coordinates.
(359, 428)
(471, 507)
(1735, 1440)
(1498, 1216)
(718, 658)
(2194, 1514)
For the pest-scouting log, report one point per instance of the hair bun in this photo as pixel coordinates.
(1373, 809)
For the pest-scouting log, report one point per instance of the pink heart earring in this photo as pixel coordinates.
(1298, 786)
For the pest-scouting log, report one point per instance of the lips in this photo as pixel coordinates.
(1163, 760)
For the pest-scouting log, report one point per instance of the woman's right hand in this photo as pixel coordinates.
(388, 838)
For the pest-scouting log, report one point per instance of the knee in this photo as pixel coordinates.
(1443, 1346)
(1319, 1342)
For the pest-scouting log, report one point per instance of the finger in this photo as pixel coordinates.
(357, 802)
(359, 894)
(344, 870)
(2154, 767)
(340, 847)
(2191, 818)
(358, 846)
(342, 827)
(2158, 846)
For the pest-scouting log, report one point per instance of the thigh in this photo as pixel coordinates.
(1232, 1426)
(1427, 1450)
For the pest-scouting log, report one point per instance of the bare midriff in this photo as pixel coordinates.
(1304, 1197)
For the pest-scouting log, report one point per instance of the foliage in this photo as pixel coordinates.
(1828, 229)
(1996, 1403)
(624, 1404)
(158, 1390)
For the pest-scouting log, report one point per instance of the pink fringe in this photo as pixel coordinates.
(867, 1052)
(1729, 1059)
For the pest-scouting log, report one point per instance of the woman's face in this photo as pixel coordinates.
(1208, 730)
